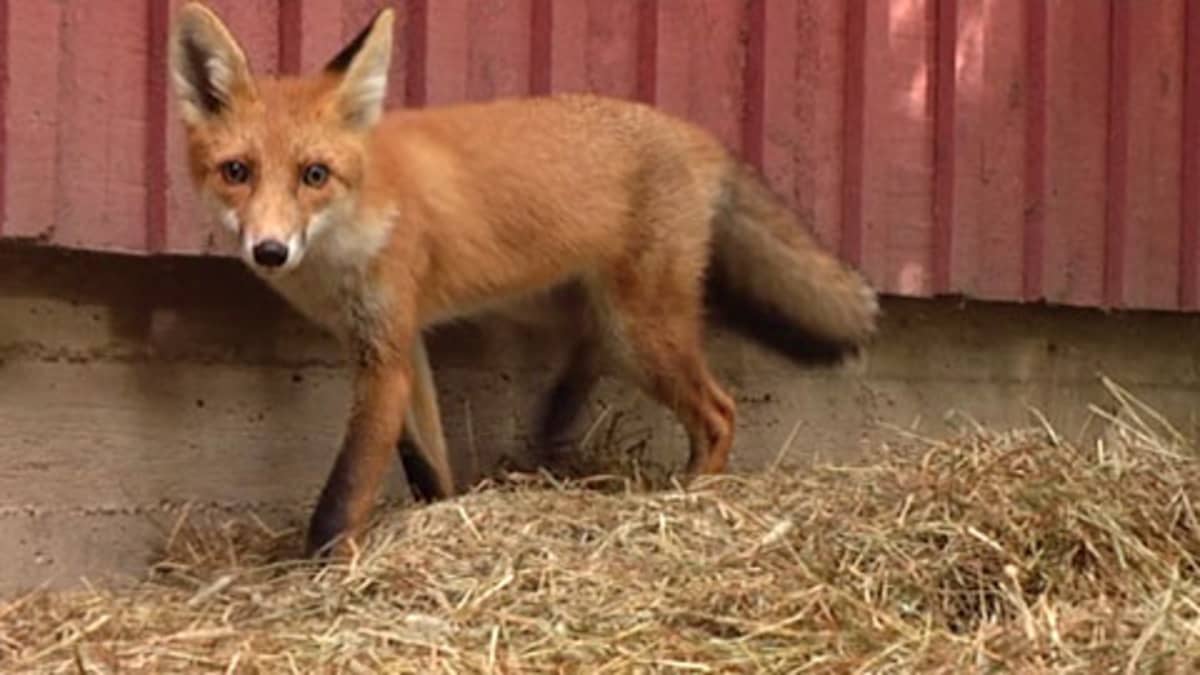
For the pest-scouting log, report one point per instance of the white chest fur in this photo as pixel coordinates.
(332, 285)
(320, 293)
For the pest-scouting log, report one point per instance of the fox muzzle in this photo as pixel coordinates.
(270, 253)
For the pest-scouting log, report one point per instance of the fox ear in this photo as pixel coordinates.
(208, 67)
(363, 66)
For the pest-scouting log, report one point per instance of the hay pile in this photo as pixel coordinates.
(998, 551)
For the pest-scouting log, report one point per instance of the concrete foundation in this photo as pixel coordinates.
(131, 387)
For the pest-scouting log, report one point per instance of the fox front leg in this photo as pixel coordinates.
(381, 395)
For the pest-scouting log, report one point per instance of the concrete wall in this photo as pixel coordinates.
(130, 387)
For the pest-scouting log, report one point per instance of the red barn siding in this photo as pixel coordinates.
(1000, 149)
(982, 141)
(1189, 239)
(1154, 154)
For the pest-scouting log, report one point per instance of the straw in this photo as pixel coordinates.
(992, 551)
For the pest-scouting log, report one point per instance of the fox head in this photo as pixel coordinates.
(277, 160)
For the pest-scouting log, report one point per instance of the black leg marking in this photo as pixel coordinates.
(329, 519)
(421, 476)
(563, 405)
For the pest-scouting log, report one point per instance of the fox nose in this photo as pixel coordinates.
(270, 253)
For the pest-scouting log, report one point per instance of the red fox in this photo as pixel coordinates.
(618, 220)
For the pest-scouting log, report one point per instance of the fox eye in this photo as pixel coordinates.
(235, 172)
(315, 174)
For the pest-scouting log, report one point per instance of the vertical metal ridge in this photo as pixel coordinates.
(1189, 206)
(1034, 239)
(647, 51)
(945, 123)
(159, 25)
(541, 36)
(416, 92)
(754, 78)
(854, 132)
(1117, 170)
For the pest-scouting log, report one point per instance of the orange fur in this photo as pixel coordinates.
(602, 214)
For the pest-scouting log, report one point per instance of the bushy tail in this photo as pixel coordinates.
(770, 278)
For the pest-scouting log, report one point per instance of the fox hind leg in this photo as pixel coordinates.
(422, 447)
(422, 478)
(659, 339)
(681, 381)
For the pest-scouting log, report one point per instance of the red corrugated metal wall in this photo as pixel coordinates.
(1003, 149)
